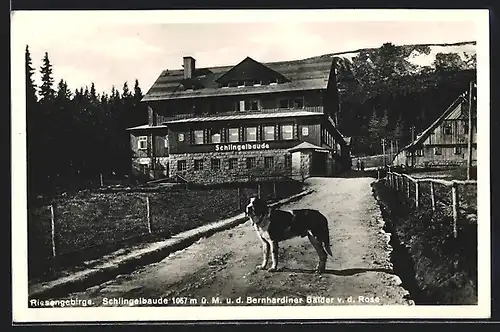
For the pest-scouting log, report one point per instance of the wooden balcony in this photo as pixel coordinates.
(314, 109)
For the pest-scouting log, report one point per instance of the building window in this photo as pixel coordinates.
(215, 164)
(447, 130)
(466, 127)
(143, 168)
(142, 142)
(181, 137)
(215, 136)
(437, 150)
(251, 162)
(234, 135)
(198, 136)
(298, 103)
(419, 152)
(288, 160)
(181, 165)
(252, 105)
(251, 134)
(268, 133)
(198, 164)
(284, 103)
(287, 132)
(233, 163)
(268, 162)
(305, 131)
(166, 141)
(458, 150)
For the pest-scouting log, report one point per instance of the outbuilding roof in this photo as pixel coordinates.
(147, 126)
(308, 146)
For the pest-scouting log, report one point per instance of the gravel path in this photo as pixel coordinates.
(221, 268)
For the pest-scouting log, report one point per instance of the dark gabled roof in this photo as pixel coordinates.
(426, 133)
(249, 69)
(307, 74)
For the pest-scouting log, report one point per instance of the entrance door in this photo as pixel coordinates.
(296, 163)
(318, 165)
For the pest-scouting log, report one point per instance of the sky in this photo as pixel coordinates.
(109, 48)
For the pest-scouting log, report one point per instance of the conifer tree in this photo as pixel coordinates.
(31, 97)
(47, 92)
(137, 91)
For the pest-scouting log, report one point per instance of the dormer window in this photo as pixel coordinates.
(298, 103)
(252, 105)
(273, 81)
(284, 103)
(257, 83)
(240, 84)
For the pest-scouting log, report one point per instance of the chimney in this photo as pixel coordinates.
(189, 66)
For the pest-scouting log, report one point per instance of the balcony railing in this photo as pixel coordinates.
(314, 109)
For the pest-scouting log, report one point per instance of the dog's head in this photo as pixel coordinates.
(256, 208)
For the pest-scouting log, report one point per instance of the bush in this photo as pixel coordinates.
(445, 266)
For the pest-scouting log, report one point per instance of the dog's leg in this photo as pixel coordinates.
(274, 253)
(321, 252)
(265, 253)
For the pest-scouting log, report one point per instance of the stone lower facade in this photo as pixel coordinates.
(231, 166)
(143, 166)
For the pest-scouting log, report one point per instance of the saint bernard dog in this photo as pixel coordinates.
(275, 225)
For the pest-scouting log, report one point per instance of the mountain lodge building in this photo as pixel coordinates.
(252, 120)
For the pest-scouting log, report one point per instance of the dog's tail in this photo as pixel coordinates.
(326, 246)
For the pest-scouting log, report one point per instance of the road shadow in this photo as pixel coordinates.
(372, 173)
(345, 272)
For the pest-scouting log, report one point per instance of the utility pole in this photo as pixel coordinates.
(383, 150)
(393, 154)
(469, 157)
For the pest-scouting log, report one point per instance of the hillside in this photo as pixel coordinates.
(421, 54)
(386, 91)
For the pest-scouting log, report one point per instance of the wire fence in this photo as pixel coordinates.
(453, 197)
(101, 221)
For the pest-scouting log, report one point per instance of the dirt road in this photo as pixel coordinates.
(223, 266)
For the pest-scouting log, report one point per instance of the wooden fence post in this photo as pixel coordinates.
(53, 230)
(433, 197)
(454, 194)
(417, 196)
(100, 180)
(239, 198)
(148, 214)
(408, 182)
